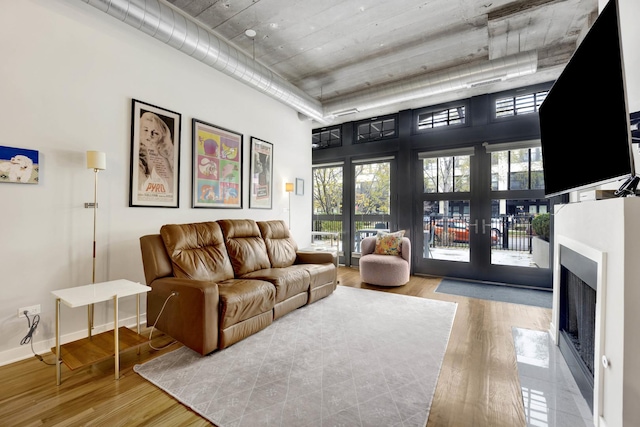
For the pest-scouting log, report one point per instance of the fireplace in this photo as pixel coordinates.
(607, 232)
(577, 317)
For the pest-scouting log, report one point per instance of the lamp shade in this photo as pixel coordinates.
(96, 160)
(288, 187)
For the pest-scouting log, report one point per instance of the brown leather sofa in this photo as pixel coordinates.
(215, 283)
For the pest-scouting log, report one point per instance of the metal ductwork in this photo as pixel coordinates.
(461, 77)
(163, 22)
(182, 32)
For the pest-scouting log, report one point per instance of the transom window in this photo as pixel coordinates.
(521, 104)
(446, 117)
(376, 129)
(326, 138)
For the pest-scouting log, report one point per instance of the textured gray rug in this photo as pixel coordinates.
(356, 358)
(504, 293)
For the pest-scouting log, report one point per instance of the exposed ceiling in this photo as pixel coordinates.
(343, 53)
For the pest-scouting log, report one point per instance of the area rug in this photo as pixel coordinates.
(355, 358)
(504, 293)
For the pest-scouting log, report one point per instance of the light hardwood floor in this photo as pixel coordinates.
(478, 384)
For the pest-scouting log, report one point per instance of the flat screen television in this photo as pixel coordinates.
(584, 120)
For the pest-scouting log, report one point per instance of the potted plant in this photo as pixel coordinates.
(540, 240)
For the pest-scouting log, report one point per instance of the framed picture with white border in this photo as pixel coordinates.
(155, 156)
(261, 174)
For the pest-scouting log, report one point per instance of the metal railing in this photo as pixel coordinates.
(327, 233)
(511, 233)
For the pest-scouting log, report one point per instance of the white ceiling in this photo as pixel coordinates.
(334, 50)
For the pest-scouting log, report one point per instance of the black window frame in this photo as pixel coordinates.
(332, 142)
(515, 97)
(439, 109)
(357, 139)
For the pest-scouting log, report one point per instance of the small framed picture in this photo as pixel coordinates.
(155, 156)
(19, 165)
(261, 174)
(634, 119)
(299, 187)
(217, 167)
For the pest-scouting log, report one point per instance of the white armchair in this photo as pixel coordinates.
(384, 270)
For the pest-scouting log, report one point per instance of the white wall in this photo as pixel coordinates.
(629, 12)
(68, 73)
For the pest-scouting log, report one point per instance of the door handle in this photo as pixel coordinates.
(485, 225)
(474, 224)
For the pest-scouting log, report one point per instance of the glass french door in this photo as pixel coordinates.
(328, 222)
(368, 196)
(476, 205)
(372, 200)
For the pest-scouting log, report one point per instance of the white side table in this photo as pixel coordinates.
(98, 347)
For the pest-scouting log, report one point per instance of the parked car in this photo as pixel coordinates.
(457, 231)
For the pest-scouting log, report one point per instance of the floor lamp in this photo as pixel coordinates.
(96, 160)
(288, 187)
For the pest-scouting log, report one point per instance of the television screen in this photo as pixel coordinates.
(584, 120)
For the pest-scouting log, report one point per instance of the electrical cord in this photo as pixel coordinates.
(173, 294)
(28, 339)
(32, 327)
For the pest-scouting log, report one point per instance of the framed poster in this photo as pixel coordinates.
(217, 167)
(155, 156)
(261, 174)
(19, 165)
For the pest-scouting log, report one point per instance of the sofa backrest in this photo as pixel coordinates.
(245, 246)
(197, 251)
(281, 247)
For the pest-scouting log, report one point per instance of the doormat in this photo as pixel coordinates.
(503, 293)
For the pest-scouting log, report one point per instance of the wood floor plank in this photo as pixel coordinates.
(478, 383)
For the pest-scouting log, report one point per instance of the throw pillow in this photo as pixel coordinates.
(389, 243)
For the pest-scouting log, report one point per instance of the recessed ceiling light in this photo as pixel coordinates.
(250, 33)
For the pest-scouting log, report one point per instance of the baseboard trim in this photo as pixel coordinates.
(24, 352)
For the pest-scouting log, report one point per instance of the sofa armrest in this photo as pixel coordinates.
(190, 316)
(303, 257)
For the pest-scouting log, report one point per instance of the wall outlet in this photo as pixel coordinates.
(33, 309)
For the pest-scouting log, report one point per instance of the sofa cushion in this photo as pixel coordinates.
(245, 246)
(288, 281)
(320, 274)
(281, 247)
(242, 299)
(197, 251)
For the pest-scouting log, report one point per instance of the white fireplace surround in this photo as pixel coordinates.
(599, 258)
(607, 232)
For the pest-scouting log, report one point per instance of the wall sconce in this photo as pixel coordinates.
(288, 187)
